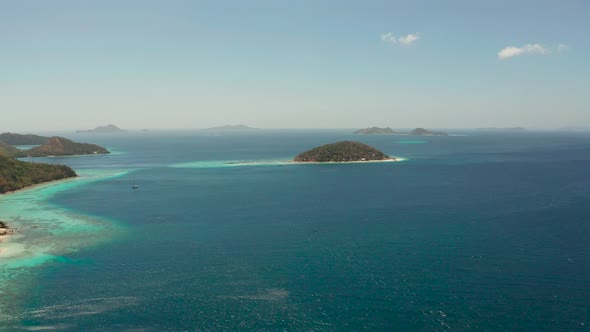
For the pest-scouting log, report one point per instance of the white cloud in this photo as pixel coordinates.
(409, 38)
(406, 40)
(511, 51)
(389, 38)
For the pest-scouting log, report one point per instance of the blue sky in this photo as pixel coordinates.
(194, 64)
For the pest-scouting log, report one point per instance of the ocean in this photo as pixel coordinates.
(478, 231)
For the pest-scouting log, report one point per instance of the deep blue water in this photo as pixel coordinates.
(484, 232)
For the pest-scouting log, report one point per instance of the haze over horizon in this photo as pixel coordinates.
(68, 65)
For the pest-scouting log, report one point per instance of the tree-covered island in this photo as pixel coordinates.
(16, 174)
(46, 146)
(345, 151)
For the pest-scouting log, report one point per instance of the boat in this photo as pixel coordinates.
(135, 186)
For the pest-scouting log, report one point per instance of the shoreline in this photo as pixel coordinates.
(37, 185)
(38, 232)
(276, 162)
(294, 162)
(6, 232)
(27, 209)
(388, 160)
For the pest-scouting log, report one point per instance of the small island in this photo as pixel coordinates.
(60, 146)
(103, 129)
(375, 131)
(47, 146)
(389, 131)
(230, 128)
(345, 151)
(426, 132)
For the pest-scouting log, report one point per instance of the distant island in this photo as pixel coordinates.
(375, 131)
(103, 129)
(239, 127)
(48, 146)
(389, 131)
(20, 139)
(345, 151)
(426, 132)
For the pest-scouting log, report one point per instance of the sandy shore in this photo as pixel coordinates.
(5, 232)
(293, 162)
(39, 185)
(388, 160)
(24, 209)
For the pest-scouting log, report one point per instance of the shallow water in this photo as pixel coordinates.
(485, 232)
(45, 232)
(25, 147)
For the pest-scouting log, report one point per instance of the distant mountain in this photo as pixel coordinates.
(22, 139)
(103, 129)
(238, 127)
(375, 131)
(426, 132)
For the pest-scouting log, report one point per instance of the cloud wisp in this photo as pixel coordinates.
(406, 40)
(512, 51)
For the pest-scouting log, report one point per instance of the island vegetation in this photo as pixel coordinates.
(49, 146)
(60, 146)
(20, 139)
(8, 149)
(16, 174)
(3, 229)
(345, 151)
(103, 129)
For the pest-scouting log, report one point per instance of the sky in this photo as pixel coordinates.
(175, 64)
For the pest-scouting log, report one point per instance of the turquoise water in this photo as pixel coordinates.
(482, 232)
(25, 147)
(46, 232)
